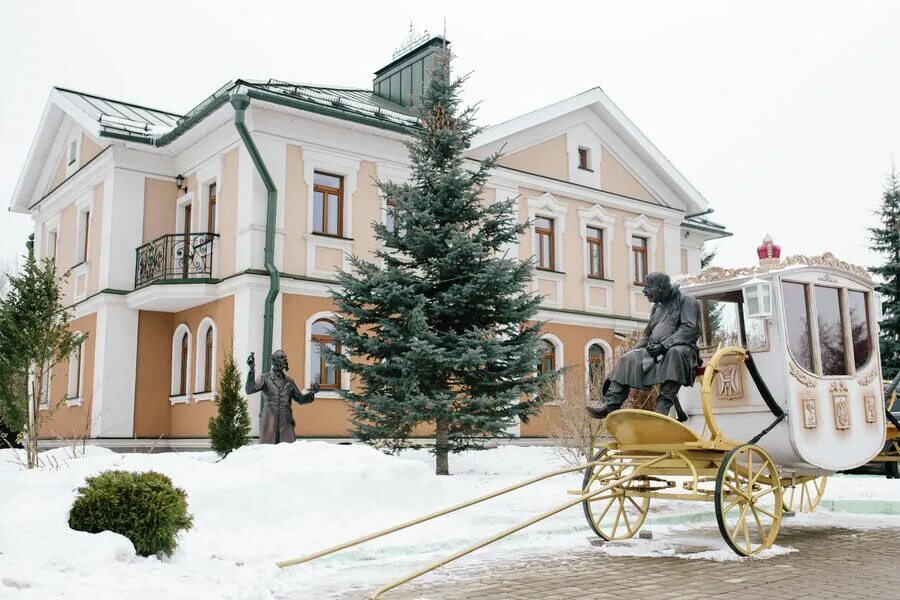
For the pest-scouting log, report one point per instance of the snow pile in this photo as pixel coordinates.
(265, 504)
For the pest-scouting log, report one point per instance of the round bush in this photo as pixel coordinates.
(144, 507)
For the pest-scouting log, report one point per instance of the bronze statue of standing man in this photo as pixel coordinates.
(276, 423)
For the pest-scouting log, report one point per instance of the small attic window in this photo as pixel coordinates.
(584, 159)
(73, 152)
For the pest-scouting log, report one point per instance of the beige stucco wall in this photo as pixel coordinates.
(65, 249)
(159, 208)
(89, 149)
(548, 158)
(615, 178)
(154, 415)
(574, 249)
(59, 173)
(71, 421)
(366, 209)
(295, 200)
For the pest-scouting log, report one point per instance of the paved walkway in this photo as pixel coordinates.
(830, 563)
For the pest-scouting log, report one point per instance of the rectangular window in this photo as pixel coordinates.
(211, 212)
(328, 204)
(584, 159)
(544, 243)
(641, 265)
(830, 317)
(796, 313)
(84, 236)
(390, 220)
(595, 252)
(51, 245)
(860, 329)
(73, 152)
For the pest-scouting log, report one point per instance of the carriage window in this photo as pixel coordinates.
(796, 314)
(859, 327)
(831, 330)
(720, 323)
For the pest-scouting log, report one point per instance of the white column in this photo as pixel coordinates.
(249, 301)
(122, 228)
(115, 363)
(672, 248)
(250, 228)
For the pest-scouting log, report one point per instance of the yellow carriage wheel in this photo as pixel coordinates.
(748, 500)
(614, 514)
(805, 495)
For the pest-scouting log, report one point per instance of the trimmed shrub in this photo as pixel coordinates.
(144, 507)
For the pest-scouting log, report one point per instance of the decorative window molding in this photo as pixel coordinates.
(316, 159)
(597, 218)
(181, 366)
(75, 382)
(209, 174)
(558, 361)
(308, 370)
(549, 207)
(205, 367)
(180, 204)
(73, 152)
(607, 362)
(640, 226)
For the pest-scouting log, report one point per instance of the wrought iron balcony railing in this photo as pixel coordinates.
(175, 256)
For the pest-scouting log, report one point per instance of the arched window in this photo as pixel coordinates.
(206, 356)
(181, 359)
(596, 366)
(321, 335)
(182, 372)
(547, 362)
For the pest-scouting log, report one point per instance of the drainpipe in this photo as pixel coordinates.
(240, 102)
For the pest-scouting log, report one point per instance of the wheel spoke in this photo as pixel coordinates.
(766, 512)
(636, 505)
(762, 530)
(605, 510)
(765, 492)
(625, 516)
(618, 517)
(740, 520)
(747, 536)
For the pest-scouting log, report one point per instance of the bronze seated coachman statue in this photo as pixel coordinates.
(666, 354)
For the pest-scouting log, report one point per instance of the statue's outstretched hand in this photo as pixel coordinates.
(251, 361)
(314, 388)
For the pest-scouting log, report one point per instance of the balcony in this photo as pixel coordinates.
(175, 257)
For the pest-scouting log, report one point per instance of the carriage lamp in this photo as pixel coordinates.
(757, 298)
(179, 183)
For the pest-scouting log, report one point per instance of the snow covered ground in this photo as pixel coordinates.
(269, 503)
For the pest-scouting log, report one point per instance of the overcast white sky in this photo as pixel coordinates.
(785, 115)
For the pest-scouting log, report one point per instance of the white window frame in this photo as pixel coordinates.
(210, 173)
(549, 207)
(45, 391)
(559, 363)
(608, 356)
(51, 232)
(75, 379)
(175, 396)
(84, 210)
(73, 140)
(199, 394)
(317, 159)
(597, 218)
(180, 204)
(640, 226)
(307, 373)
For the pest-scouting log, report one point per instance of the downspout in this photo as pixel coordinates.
(240, 102)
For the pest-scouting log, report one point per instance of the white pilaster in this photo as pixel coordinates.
(122, 228)
(250, 228)
(249, 305)
(115, 363)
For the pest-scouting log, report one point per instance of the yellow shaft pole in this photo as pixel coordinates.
(514, 529)
(428, 517)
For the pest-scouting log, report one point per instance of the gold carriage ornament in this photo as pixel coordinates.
(753, 454)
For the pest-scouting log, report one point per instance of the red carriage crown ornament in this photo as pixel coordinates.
(769, 252)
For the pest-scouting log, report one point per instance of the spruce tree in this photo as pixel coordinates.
(440, 329)
(886, 241)
(230, 428)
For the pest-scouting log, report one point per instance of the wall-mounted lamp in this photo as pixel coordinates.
(179, 183)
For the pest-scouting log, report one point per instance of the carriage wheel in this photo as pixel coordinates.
(809, 496)
(748, 500)
(613, 515)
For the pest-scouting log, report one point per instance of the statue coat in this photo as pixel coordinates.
(674, 323)
(276, 423)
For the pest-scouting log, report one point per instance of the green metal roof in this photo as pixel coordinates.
(124, 117)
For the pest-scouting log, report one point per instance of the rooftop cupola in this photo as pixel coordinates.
(404, 78)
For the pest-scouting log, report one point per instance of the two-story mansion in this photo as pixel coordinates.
(221, 229)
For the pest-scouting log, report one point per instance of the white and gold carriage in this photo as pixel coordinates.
(789, 393)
